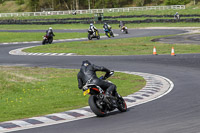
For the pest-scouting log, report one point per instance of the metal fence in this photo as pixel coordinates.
(127, 9)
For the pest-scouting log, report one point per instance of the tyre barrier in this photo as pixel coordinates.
(73, 20)
(22, 22)
(145, 16)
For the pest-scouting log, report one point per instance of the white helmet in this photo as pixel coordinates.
(50, 28)
(91, 24)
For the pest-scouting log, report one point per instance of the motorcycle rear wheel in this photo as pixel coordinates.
(89, 37)
(93, 106)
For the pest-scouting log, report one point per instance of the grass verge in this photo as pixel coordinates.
(25, 36)
(127, 46)
(32, 91)
(99, 26)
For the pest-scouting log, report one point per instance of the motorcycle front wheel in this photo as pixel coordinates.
(43, 41)
(122, 105)
(108, 34)
(94, 107)
(50, 40)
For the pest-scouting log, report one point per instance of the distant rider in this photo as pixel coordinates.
(121, 25)
(106, 26)
(87, 74)
(176, 16)
(93, 29)
(50, 33)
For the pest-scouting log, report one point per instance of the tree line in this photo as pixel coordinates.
(38, 5)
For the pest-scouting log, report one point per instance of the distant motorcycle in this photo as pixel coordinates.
(124, 29)
(177, 17)
(47, 40)
(93, 35)
(109, 33)
(100, 104)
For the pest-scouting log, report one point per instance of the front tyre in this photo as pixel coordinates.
(108, 34)
(50, 40)
(44, 41)
(93, 106)
(122, 105)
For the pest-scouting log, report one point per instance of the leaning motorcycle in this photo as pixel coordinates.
(92, 35)
(109, 33)
(177, 17)
(47, 39)
(124, 29)
(99, 103)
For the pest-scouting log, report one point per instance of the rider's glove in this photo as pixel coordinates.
(84, 88)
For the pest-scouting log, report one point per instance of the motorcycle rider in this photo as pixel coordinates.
(106, 26)
(50, 33)
(176, 16)
(93, 29)
(121, 24)
(87, 74)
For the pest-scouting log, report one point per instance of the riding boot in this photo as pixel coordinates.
(117, 95)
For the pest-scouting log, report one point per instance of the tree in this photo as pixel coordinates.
(176, 2)
(140, 2)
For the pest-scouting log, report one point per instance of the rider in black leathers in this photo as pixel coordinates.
(87, 74)
(50, 33)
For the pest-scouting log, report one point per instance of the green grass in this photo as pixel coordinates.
(25, 36)
(27, 92)
(128, 46)
(99, 26)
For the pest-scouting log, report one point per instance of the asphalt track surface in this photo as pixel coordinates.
(181, 39)
(176, 112)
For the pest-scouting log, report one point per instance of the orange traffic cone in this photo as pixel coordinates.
(172, 52)
(154, 51)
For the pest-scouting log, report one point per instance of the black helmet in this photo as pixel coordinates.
(86, 63)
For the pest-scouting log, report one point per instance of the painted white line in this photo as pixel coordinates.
(2, 129)
(43, 119)
(54, 53)
(62, 115)
(47, 53)
(21, 123)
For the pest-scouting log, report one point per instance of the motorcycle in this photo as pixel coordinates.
(99, 103)
(47, 39)
(91, 35)
(109, 33)
(177, 17)
(124, 29)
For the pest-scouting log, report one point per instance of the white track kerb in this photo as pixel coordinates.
(156, 87)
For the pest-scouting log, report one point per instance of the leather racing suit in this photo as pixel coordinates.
(50, 33)
(87, 74)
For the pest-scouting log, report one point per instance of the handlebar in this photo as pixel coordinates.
(107, 75)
